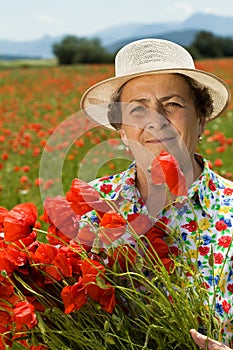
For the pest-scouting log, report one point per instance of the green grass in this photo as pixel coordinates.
(27, 63)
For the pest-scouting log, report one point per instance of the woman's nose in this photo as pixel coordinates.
(156, 121)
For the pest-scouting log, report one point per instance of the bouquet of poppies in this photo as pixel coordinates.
(73, 287)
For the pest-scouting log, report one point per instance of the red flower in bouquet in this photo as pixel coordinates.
(140, 223)
(106, 298)
(19, 221)
(7, 263)
(124, 255)
(113, 226)
(86, 237)
(3, 212)
(53, 261)
(160, 246)
(84, 198)
(73, 253)
(7, 299)
(24, 315)
(165, 169)
(15, 257)
(91, 269)
(64, 223)
(157, 247)
(74, 297)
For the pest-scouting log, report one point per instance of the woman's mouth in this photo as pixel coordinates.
(160, 140)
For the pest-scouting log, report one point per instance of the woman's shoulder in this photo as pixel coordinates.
(215, 181)
(223, 180)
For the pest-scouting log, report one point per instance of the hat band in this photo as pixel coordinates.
(152, 66)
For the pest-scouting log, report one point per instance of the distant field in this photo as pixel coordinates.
(36, 96)
(27, 63)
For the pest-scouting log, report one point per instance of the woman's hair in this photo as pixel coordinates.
(201, 97)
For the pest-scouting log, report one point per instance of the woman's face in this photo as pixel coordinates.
(158, 113)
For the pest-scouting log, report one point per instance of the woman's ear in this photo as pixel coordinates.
(124, 137)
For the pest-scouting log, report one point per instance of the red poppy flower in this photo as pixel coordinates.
(83, 198)
(158, 247)
(20, 221)
(113, 227)
(73, 251)
(140, 223)
(7, 263)
(38, 347)
(18, 256)
(5, 319)
(90, 269)
(45, 253)
(6, 290)
(104, 296)
(46, 256)
(74, 297)
(125, 255)
(64, 223)
(3, 212)
(24, 315)
(168, 264)
(63, 264)
(155, 232)
(107, 299)
(29, 241)
(165, 169)
(37, 305)
(86, 236)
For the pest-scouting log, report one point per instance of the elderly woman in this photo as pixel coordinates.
(159, 103)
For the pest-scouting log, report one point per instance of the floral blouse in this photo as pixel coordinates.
(205, 224)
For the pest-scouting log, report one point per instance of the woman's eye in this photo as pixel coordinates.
(138, 109)
(171, 106)
(174, 104)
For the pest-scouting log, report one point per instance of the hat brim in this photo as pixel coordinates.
(95, 100)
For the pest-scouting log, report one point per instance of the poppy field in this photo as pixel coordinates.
(45, 141)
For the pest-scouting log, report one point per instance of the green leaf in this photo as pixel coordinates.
(211, 259)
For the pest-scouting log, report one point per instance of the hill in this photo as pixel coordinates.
(113, 38)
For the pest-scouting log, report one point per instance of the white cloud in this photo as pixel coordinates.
(214, 11)
(45, 18)
(184, 7)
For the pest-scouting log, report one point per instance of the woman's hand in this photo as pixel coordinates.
(201, 341)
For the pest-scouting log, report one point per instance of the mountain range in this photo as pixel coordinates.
(113, 38)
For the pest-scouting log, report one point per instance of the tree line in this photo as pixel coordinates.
(74, 50)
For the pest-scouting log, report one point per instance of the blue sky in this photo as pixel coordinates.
(31, 19)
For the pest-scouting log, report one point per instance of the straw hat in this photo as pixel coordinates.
(151, 56)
